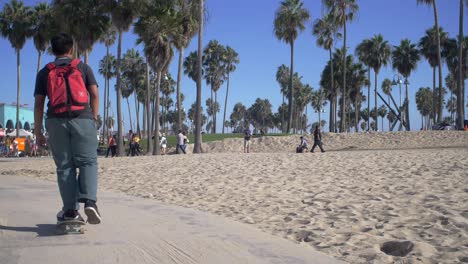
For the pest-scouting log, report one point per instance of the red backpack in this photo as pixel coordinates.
(65, 88)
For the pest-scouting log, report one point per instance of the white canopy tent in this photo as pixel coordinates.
(22, 133)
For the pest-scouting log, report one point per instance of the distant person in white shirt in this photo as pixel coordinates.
(163, 144)
(180, 142)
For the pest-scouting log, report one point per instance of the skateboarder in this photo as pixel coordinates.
(73, 107)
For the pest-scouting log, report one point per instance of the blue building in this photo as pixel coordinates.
(8, 117)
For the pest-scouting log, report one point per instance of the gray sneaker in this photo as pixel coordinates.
(92, 212)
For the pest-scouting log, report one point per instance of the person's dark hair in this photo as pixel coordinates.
(61, 44)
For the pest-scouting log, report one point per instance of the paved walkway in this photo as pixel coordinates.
(134, 230)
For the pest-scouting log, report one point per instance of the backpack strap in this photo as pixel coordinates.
(75, 63)
(50, 66)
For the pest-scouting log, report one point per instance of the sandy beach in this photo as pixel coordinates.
(367, 189)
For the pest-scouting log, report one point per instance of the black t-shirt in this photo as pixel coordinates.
(88, 78)
(247, 134)
(317, 135)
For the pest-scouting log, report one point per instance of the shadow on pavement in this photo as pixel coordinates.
(42, 230)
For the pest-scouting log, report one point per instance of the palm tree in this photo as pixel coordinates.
(289, 22)
(106, 68)
(342, 12)
(231, 59)
(451, 107)
(405, 59)
(357, 79)
(460, 95)
(382, 113)
(41, 35)
(428, 48)
(214, 71)
(326, 31)
(188, 27)
(282, 77)
(379, 56)
(439, 60)
(17, 25)
(363, 53)
(450, 51)
(391, 118)
(424, 104)
(318, 101)
(154, 29)
(387, 88)
(198, 119)
(123, 12)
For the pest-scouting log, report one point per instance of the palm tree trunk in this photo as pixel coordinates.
(368, 98)
(18, 88)
(225, 100)
(215, 112)
(129, 114)
(156, 148)
(137, 113)
(439, 60)
(422, 121)
(461, 90)
(375, 102)
(434, 95)
(291, 91)
(120, 146)
(179, 80)
(198, 139)
(356, 115)
(335, 111)
(407, 121)
(343, 108)
(332, 117)
(39, 58)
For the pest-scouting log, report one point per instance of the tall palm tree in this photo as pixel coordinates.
(231, 59)
(382, 111)
(107, 65)
(363, 53)
(439, 60)
(357, 79)
(214, 71)
(405, 59)
(41, 35)
(188, 27)
(282, 77)
(198, 119)
(17, 25)
(123, 12)
(424, 104)
(318, 101)
(326, 31)
(154, 29)
(380, 56)
(428, 48)
(461, 92)
(106, 69)
(342, 11)
(288, 23)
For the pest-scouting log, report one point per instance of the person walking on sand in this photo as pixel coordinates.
(180, 142)
(317, 139)
(111, 146)
(247, 136)
(163, 144)
(72, 113)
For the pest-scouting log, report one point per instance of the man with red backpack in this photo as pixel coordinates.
(72, 111)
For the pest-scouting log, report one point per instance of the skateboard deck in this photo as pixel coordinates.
(71, 227)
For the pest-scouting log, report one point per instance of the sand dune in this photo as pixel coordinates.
(406, 186)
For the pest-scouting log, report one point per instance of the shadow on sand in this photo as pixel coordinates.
(42, 230)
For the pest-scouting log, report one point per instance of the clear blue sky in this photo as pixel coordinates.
(247, 26)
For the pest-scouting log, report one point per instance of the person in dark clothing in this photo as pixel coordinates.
(317, 139)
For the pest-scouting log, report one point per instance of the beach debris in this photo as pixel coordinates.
(303, 235)
(397, 248)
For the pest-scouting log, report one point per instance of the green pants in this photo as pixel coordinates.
(73, 142)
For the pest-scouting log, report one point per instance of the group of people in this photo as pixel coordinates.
(9, 147)
(304, 145)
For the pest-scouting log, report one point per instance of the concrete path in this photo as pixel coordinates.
(134, 230)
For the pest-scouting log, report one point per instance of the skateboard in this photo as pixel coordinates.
(71, 227)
